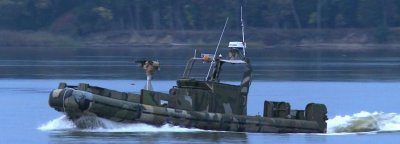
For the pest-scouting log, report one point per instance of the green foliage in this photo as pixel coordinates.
(80, 17)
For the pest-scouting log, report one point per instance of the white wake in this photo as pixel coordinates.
(62, 123)
(364, 122)
(339, 125)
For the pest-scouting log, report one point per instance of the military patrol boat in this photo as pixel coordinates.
(205, 103)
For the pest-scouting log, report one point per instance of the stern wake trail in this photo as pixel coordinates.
(363, 121)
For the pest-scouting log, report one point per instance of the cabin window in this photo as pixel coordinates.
(199, 70)
(232, 73)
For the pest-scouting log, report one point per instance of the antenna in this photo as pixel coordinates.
(241, 20)
(216, 50)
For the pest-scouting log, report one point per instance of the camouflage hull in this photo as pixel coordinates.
(78, 104)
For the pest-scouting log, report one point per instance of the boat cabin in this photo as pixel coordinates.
(207, 94)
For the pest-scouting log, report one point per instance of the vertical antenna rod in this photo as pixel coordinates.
(216, 50)
(241, 20)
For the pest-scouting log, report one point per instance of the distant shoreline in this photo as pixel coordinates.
(255, 37)
(262, 42)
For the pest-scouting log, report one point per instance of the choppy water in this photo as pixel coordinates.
(359, 112)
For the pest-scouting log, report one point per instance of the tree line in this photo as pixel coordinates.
(82, 17)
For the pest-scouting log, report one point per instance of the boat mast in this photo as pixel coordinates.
(242, 24)
(216, 50)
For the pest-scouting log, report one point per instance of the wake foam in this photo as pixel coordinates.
(339, 125)
(62, 123)
(364, 122)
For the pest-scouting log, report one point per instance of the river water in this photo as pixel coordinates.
(362, 97)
